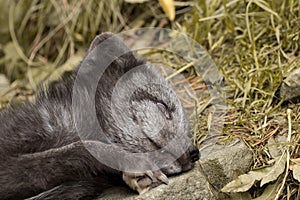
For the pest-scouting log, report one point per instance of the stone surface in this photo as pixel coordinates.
(191, 185)
(223, 162)
(219, 164)
(290, 87)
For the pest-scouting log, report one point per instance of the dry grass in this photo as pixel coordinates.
(256, 44)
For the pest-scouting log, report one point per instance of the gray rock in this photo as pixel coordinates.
(219, 164)
(223, 162)
(290, 87)
(191, 185)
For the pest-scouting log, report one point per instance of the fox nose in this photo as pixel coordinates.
(194, 153)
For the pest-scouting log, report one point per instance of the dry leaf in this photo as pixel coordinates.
(269, 192)
(275, 170)
(4, 83)
(274, 147)
(296, 172)
(266, 175)
(241, 184)
(168, 7)
(296, 160)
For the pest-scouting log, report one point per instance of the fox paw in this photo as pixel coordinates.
(143, 182)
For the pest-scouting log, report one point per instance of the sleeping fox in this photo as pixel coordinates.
(114, 120)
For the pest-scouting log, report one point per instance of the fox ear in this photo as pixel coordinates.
(107, 48)
(110, 44)
(99, 39)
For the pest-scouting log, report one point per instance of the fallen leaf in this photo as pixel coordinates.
(296, 172)
(274, 147)
(269, 192)
(266, 175)
(296, 160)
(168, 7)
(4, 83)
(275, 170)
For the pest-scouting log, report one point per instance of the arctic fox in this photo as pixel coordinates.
(77, 137)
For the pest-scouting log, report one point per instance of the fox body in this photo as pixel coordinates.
(110, 122)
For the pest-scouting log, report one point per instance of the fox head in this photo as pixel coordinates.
(135, 108)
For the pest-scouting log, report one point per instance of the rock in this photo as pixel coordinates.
(190, 185)
(219, 164)
(290, 87)
(223, 162)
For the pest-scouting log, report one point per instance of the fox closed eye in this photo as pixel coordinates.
(164, 109)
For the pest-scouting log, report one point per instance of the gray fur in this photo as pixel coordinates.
(49, 150)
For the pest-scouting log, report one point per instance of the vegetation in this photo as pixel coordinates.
(255, 44)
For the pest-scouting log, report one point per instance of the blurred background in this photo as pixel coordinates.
(254, 43)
